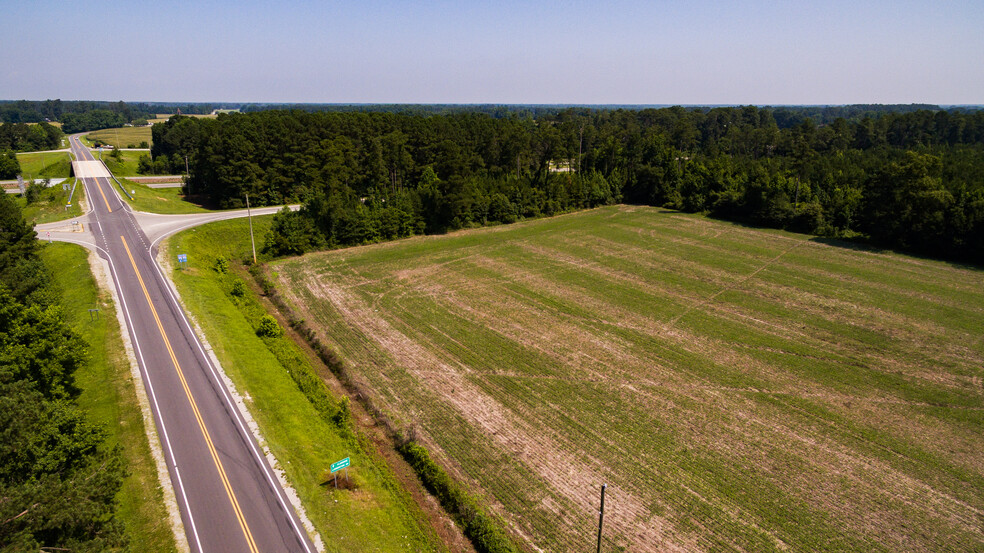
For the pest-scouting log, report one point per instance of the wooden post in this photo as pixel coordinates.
(601, 515)
(251, 241)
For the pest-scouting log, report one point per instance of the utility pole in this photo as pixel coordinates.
(601, 515)
(188, 176)
(580, 143)
(251, 241)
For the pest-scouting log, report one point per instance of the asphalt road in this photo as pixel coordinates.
(229, 498)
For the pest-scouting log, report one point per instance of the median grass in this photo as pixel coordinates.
(736, 388)
(123, 137)
(302, 422)
(109, 397)
(38, 165)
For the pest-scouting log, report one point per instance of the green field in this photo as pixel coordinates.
(123, 137)
(109, 397)
(737, 388)
(158, 200)
(49, 164)
(127, 165)
(378, 515)
(51, 205)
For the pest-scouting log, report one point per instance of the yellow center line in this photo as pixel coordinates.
(198, 416)
(103, 195)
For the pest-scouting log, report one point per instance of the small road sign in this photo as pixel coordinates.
(182, 258)
(339, 465)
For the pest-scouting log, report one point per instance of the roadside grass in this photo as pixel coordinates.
(109, 397)
(159, 200)
(56, 164)
(737, 388)
(127, 165)
(375, 516)
(51, 205)
(123, 137)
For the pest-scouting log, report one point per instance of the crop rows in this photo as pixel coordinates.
(738, 389)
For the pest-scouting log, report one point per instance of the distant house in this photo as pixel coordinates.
(560, 167)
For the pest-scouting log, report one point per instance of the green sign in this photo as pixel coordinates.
(337, 466)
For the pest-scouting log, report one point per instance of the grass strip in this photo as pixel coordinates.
(303, 424)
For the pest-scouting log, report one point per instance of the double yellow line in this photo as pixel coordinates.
(198, 415)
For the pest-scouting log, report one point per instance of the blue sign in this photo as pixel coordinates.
(182, 258)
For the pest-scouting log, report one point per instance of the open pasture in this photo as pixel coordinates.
(737, 388)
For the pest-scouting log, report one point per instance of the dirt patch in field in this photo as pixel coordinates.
(516, 436)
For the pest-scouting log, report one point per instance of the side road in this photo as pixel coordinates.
(156, 226)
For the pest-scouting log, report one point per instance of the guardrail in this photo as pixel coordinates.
(123, 188)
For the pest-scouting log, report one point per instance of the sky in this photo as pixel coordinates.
(506, 52)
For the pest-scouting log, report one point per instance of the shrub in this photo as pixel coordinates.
(221, 265)
(479, 527)
(269, 327)
(238, 289)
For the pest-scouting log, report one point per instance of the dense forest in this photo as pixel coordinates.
(912, 180)
(21, 137)
(58, 480)
(80, 112)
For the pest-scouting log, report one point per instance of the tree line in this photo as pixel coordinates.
(36, 111)
(58, 479)
(21, 137)
(909, 179)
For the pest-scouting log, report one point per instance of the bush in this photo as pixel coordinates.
(221, 265)
(238, 289)
(269, 327)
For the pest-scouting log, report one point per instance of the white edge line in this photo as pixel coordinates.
(239, 417)
(153, 397)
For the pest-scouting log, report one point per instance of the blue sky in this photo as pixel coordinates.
(624, 52)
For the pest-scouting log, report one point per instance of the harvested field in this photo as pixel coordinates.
(737, 388)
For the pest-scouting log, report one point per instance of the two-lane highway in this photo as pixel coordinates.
(230, 500)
